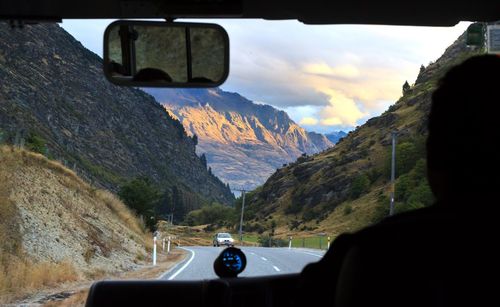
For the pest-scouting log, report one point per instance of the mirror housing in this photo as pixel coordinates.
(165, 54)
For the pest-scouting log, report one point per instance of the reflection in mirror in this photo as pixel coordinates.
(207, 54)
(166, 54)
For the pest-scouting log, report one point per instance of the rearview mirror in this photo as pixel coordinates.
(161, 54)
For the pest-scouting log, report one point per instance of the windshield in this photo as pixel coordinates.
(318, 131)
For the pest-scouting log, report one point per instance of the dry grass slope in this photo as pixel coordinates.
(56, 228)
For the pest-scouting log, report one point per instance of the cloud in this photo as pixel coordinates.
(340, 74)
(342, 110)
(325, 70)
(308, 121)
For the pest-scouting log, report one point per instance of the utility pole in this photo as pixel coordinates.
(242, 211)
(393, 172)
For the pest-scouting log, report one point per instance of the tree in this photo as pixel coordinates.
(273, 227)
(36, 143)
(142, 196)
(359, 186)
(195, 139)
(178, 206)
(406, 87)
(407, 156)
(203, 159)
(422, 68)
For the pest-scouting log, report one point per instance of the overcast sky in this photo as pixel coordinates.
(327, 78)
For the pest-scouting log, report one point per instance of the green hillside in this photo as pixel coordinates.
(347, 187)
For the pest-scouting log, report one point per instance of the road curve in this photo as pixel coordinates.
(260, 261)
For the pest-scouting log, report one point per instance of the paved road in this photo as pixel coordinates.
(260, 261)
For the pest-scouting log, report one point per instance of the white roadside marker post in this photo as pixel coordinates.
(163, 245)
(168, 246)
(289, 242)
(154, 250)
(328, 243)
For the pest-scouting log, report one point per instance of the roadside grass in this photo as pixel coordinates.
(251, 238)
(125, 214)
(19, 275)
(77, 299)
(165, 262)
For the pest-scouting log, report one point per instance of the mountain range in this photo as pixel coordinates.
(53, 92)
(335, 136)
(243, 142)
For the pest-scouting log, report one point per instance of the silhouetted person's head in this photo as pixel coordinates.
(152, 74)
(464, 125)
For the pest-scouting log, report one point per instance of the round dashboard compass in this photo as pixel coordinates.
(231, 262)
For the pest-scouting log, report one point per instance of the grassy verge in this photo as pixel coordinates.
(76, 293)
(250, 238)
(310, 242)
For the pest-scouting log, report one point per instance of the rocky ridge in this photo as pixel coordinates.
(53, 87)
(243, 142)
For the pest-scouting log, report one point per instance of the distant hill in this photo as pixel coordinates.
(53, 91)
(243, 142)
(347, 187)
(334, 137)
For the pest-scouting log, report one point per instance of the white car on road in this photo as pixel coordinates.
(223, 238)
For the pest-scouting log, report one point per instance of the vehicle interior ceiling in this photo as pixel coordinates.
(418, 13)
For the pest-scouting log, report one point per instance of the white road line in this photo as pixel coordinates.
(185, 265)
(276, 268)
(315, 255)
(263, 258)
(252, 253)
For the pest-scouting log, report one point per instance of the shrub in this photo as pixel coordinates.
(254, 227)
(309, 215)
(36, 143)
(373, 175)
(408, 153)
(269, 241)
(348, 209)
(294, 224)
(293, 208)
(406, 87)
(359, 186)
(381, 208)
(211, 214)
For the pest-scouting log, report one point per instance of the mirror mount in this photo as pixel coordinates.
(127, 42)
(166, 54)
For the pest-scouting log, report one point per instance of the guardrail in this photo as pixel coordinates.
(316, 242)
